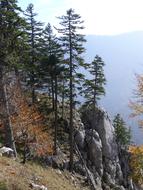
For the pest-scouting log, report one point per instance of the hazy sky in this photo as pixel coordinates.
(104, 17)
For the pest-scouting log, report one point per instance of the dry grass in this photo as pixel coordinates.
(15, 176)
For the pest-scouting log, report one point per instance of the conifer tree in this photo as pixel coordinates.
(94, 87)
(51, 68)
(11, 29)
(72, 43)
(123, 134)
(63, 89)
(34, 31)
(50, 48)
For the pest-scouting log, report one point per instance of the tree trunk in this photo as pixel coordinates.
(71, 103)
(33, 62)
(25, 150)
(33, 87)
(33, 95)
(9, 137)
(53, 94)
(94, 101)
(56, 117)
(63, 98)
(24, 153)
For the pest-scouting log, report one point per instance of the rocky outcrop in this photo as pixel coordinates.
(95, 139)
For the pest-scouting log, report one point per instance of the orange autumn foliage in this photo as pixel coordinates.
(136, 163)
(137, 104)
(28, 124)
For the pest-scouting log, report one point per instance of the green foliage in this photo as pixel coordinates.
(50, 43)
(3, 186)
(72, 43)
(11, 33)
(123, 134)
(34, 32)
(11, 37)
(52, 56)
(94, 87)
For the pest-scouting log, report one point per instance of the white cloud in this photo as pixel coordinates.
(111, 16)
(101, 16)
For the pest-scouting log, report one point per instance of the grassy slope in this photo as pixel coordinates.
(18, 177)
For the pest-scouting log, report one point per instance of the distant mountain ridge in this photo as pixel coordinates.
(123, 56)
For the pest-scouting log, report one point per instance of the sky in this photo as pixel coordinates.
(101, 17)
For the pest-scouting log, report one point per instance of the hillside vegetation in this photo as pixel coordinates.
(16, 176)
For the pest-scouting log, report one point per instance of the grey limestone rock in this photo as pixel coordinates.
(97, 144)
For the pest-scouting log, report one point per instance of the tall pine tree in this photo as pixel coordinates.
(51, 68)
(11, 30)
(94, 87)
(50, 48)
(123, 134)
(72, 43)
(34, 32)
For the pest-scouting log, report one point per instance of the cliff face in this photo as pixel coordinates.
(97, 145)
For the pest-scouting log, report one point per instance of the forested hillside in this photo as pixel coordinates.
(43, 122)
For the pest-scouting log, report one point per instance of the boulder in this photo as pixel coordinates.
(6, 151)
(38, 187)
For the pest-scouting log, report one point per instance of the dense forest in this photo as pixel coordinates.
(39, 59)
(42, 82)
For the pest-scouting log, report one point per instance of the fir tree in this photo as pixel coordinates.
(63, 89)
(51, 68)
(56, 71)
(11, 31)
(34, 31)
(50, 48)
(72, 43)
(123, 134)
(94, 87)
